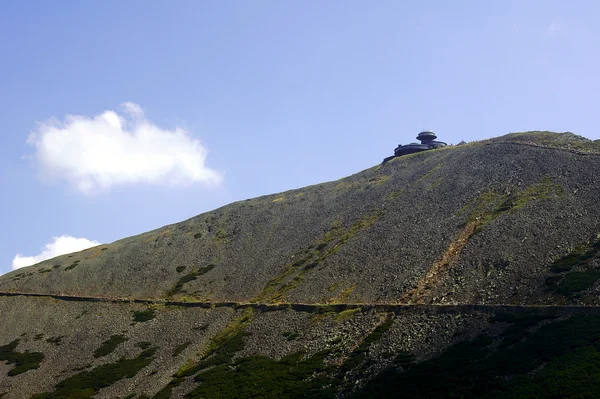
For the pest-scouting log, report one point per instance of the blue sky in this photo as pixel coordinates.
(235, 99)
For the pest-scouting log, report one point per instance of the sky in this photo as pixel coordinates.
(120, 117)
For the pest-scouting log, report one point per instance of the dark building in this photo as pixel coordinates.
(427, 140)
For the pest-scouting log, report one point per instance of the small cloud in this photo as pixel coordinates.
(58, 246)
(98, 152)
(553, 28)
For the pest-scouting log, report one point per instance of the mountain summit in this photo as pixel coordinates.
(407, 277)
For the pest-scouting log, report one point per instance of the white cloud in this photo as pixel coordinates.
(96, 153)
(58, 246)
(553, 28)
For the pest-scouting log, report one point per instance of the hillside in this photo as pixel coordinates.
(359, 287)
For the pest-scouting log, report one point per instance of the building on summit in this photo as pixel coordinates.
(428, 142)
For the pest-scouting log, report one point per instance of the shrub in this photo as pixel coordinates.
(23, 361)
(140, 316)
(110, 345)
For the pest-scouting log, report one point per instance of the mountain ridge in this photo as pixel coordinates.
(467, 271)
(365, 195)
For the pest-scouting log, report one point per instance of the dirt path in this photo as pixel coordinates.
(318, 308)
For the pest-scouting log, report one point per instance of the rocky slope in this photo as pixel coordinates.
(507, 221)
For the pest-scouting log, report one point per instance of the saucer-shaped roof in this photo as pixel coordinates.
(426, 135)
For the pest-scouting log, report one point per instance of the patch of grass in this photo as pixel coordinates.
(42, 271)
(358, 355)
(198, 235)
(316, 254)
(346, 314)
(260, 377)
(491, 205)
(81, 315)
(221, 350)
(181, 348)
(290, 335)
(55, 340)
(343, 295)
(223, 237)
(23, 361)
(144, 344)
(559, 360)
(72, 265)
(110, 345)
(141, 316)
(189, 277)
(579, 257)
(333, 287)
(572, 283)
(404, 360)
(569, 283)
(179, 269)
(519, 323)
(566, 140)
(86, 384)
(431, 172)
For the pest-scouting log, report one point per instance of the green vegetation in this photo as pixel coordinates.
(261, 377)
(333, 287)
(181, 348)
(359, 354)
(431, 172)
(317, 253)
(42, 271)
(140, 316)
(55, 340)
(23, 361)
(570, 283)
(72, 265)
(223, 237)
(179, 269)
(519, 323)
(189, 277)
(79, 316)
(144, 344)
(221, 350)
(110, 345)
(565, 356)
(346, 314)
(290, 335)
(565, 140)
(490, 205)
(87, 383)
(581, 256)
(198, 235)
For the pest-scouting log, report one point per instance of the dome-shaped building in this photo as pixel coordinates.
(428, 142)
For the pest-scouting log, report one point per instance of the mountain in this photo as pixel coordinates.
(457, 272)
